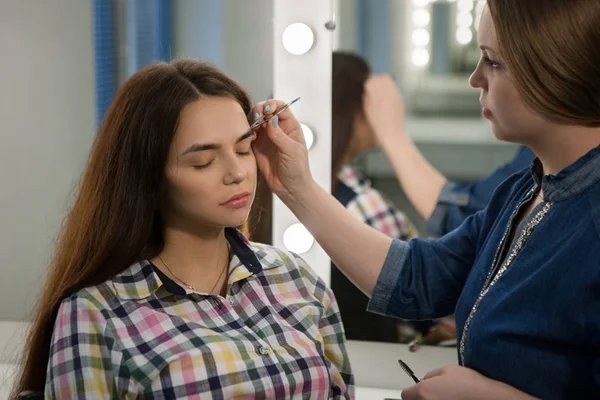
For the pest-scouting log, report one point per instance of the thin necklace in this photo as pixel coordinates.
(190, 286)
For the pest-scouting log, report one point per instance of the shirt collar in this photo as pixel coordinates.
(353, 178)
(572, 180)
(142, 279)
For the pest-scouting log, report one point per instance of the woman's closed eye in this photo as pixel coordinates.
(245, 152)
(244, 147)
(202, 165)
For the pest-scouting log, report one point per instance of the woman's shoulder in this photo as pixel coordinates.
(93, 298)
(275, 260)
(109, 295)
(272, 257)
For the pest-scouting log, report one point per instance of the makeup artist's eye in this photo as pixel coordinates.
(493, 64)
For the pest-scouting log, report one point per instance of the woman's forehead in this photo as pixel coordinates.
(211, 119)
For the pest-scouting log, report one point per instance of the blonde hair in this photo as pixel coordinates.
(552, 50)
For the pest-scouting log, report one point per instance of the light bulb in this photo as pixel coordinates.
(309, 136)
(421, 3)
(297, 238)
(298, 38)
(464, 36)
(421, 18)
(420, 37)
(420, 57)
(464, 20)
(465, 5)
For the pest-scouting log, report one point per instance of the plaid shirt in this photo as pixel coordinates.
(368, 205)
(278, 334)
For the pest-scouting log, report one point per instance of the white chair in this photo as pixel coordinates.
(12, 334)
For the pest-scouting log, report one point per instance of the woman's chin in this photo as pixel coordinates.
(235, 221)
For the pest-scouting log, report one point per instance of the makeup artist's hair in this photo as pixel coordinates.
(349, 74)
(115, 219)
(552, 48)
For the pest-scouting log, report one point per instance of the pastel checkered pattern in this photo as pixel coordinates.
(372, 208)
(277, 335)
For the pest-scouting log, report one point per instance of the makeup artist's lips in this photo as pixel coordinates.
(238, 201)
(486, 112)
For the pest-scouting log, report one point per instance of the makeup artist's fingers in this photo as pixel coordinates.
(286, 121)
(287, 135)
(411, 393)
(264, 108)
(433, 373)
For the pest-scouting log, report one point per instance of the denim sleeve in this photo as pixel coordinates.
(457, 201)
(423, 279)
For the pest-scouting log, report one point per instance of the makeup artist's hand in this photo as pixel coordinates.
(460, 383)
(280, 150)
(384, 108)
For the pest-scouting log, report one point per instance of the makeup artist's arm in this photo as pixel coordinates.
(455, 382)
(282, 157)
(428, 275)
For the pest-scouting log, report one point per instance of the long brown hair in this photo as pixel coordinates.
(349, 74)
(115, 219)
(552, 48)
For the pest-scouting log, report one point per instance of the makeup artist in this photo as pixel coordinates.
(523, 275)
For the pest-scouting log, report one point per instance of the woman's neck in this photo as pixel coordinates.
(561, 148)
(194, 257)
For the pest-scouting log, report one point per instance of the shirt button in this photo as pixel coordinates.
(231, 300)
(263, 350)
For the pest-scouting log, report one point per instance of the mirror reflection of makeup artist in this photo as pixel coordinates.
(521, 276)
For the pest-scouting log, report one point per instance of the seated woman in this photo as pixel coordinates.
(151, 292)
(352, 135)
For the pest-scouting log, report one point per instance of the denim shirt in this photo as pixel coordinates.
(538, 327)
(457, 201)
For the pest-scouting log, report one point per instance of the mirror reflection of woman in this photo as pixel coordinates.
(521, 276)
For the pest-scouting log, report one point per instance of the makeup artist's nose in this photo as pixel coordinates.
(477, 79)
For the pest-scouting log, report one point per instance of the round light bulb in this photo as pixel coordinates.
(297, 238)
(464, 36)
(465, 5)
(464, 20)
(421, 18)
(309, 136)
(421, 3)
(298, 38)
(420, 37)
(420, 57)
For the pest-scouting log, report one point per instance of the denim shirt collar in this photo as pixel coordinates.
(572, 180)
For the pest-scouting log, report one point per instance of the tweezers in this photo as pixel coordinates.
(268, 117)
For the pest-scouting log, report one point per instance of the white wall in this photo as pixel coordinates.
(46, 125)
(345, 37)
(234, 35)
